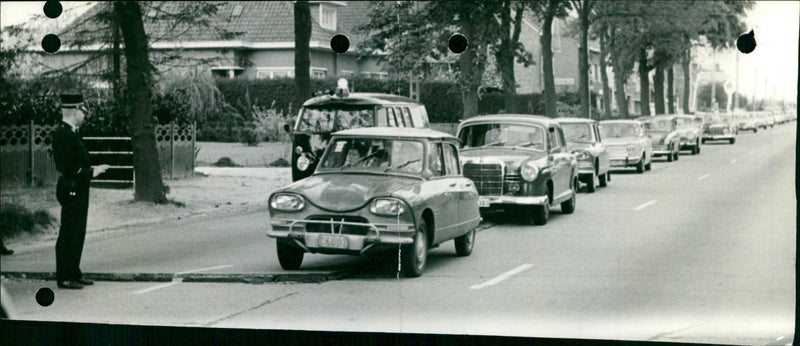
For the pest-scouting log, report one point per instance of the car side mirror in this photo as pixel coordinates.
(287, 128)
(550, 157)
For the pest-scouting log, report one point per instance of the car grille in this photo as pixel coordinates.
(488, 178)
(617, 150)
(345, 229)
(715, 130)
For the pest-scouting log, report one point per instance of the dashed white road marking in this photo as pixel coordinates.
(502, 277)
(703, 177)
(645, 205)
(733, 161)
(158, 287)
(203, 269)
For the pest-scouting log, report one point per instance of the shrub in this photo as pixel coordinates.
(225, 162)
(281, 162)
(15, 219)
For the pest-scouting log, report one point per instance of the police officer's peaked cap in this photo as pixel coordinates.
(71, 99)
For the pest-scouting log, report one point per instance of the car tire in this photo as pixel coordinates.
(640, 166)
(465, 243)
(540, 214)
(415, 255)
(703, 141)
(591, 186)
(568, 206)
(698, 148)
(604, 179)
(648, 166)
(290, 257)
(755, 130)
(732, 140)
(670, 157)
(677, 155)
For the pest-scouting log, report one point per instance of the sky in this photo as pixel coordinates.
(774, 62)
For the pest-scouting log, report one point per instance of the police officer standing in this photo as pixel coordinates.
(72, 191)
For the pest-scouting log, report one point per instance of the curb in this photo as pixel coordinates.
(317, 277)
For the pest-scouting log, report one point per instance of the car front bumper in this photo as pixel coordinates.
(494, 201)
(718, 137)
(621, 162)
(379, 234)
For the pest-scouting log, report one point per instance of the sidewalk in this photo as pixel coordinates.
(214, 190)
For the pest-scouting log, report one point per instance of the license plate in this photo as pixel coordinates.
(332, 241)
(483, 202)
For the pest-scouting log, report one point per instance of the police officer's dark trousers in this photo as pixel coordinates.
(74, 200)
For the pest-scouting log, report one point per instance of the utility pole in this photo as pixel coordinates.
(755, 89)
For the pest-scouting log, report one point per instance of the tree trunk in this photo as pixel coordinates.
(686, 81)
(583, 63)
(619, 84)
(147, 171)
(505, 58)
(671, 89)
(547, 65)
(658, 90)
(471, 63)
(604, 75)
(302, 57)
(644, 82)
(116, 72)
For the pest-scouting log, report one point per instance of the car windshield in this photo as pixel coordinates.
(660, 125)
(577, 132)
(328, 119)
(619, 130)
(505, 135)
(374, 154)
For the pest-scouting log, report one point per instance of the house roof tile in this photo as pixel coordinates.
(257, 21)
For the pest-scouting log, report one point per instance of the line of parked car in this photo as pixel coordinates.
(372, 177)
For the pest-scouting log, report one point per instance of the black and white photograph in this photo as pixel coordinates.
(547, 170)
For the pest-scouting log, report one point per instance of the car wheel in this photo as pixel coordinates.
(671, 157)
(732, 140)
(640, 165)
(590, 185)
(755, 130)
(290, 257)
(414, 255)
(604, 179)
(703, 141)
(465, 243)
(698, 148)
(648, 166)
(568, 207)
(540, 214)
(677, 155)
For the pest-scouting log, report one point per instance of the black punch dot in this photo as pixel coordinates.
(53, 9)
(457, 43)
(340, 43)
(51, 43)
(45, 296)
(746, 43)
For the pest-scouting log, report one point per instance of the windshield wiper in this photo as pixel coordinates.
(360, 160)
(402, 165)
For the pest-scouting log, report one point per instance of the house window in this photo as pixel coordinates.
(346, 73)
(274, 72)
(327, 17)
(237, 11)
(320, 73)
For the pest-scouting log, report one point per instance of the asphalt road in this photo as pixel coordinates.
(698, 250)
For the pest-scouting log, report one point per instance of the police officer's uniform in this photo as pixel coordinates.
(72, 191)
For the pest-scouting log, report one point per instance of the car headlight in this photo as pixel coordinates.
(582, 156)
(691, 135)
(387, 207)
(631, 149)
(303, 163)
(287, 202)
(529, 171)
